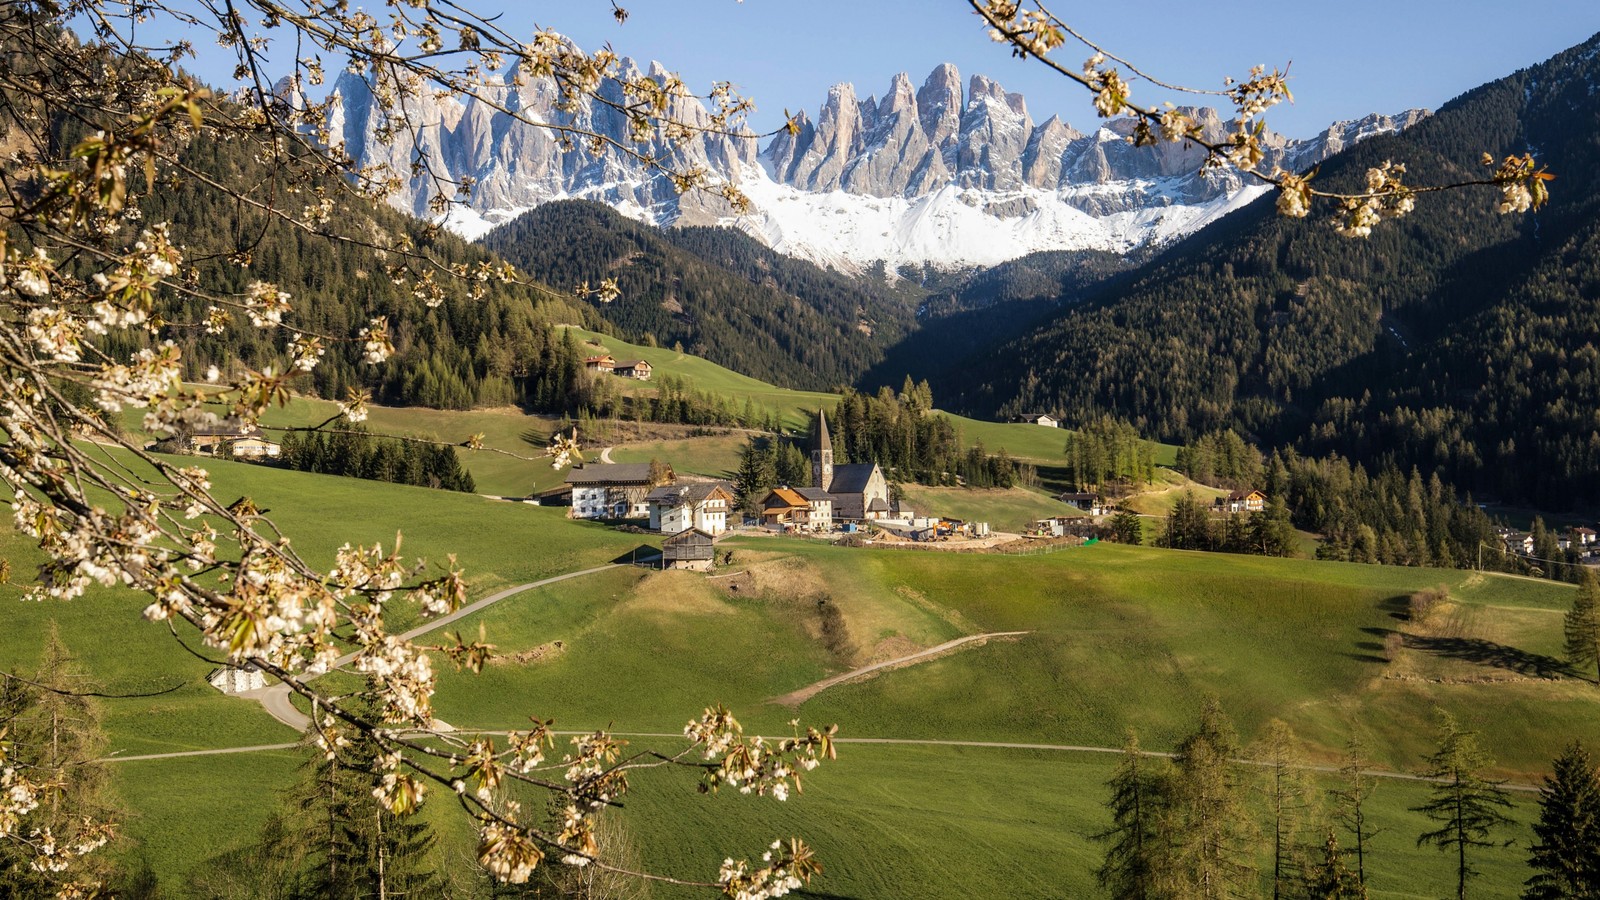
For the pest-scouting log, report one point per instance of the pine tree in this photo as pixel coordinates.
(1466, 805)
(1212, 826)
(1136, 859)
(1583, 622)
(1565, 856)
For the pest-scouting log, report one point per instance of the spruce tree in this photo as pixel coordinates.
(1137, 857)
(1565, 856)
(1467, 806)
(1331, 879)
(1583, 623)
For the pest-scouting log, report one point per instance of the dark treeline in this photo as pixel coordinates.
(356, 454)
(901, 433)
(718, 292)
(1192, 526)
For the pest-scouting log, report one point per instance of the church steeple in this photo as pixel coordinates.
(821, 454)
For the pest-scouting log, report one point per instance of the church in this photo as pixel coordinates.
(859, 490)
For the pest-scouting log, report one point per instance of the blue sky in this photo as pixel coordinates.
(1350, 57)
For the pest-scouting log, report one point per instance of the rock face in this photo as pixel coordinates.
(932, 175)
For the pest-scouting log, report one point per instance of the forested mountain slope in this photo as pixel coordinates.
(1458, 339)
(717, 291)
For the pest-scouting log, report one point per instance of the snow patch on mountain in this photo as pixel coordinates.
(956, 227)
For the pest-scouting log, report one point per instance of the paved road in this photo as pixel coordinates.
(795, 698)
(276, 698)
(912, 742)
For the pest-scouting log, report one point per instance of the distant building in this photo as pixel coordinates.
(1091, 503)
(600, 364)
(633, 368)
(704, 505)
(611, 491)
(237, 679)
(229, 438)
(1242, 501)
(693, 549)
(854, 486)
(1044, 419)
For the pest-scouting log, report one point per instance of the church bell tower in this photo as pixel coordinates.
(821, 454)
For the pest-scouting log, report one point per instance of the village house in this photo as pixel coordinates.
(612, 491)
(853, 487)
(1091, 503)
(704, 505)
(603, 364)
(801, 508)
(1242, 501)
(1520, 542)
(692, 549)
(237, 679)
(1044, 419)
(230, 439)
(1583, 538)
(632, 368)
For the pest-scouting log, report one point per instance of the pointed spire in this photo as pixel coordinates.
(820, 440)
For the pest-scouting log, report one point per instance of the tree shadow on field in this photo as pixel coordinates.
(1374, 649)
(1397, 607)
(1489, 653)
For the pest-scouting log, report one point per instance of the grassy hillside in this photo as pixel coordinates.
(1117, 636)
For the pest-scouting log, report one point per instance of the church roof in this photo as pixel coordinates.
(819, 438)
(852, 479)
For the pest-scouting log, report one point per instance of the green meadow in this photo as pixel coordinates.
(1116, 637)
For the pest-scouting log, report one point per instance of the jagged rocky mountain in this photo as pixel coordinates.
(935, 175)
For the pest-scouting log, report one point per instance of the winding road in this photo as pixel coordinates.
(276, 698)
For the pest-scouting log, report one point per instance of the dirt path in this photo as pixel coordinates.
(795, 698)
(605, 455)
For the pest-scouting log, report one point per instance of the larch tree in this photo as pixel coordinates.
(1468, 807)
(1213, 828)
(1291, 803)
(1350, 801)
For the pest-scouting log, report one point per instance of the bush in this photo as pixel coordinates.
(1426, 601)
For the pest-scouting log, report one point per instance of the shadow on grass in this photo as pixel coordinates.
(642, 555)
(1397, 607)
(1489, 653)
(1375, 649)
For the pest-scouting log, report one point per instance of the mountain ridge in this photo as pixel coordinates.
(939, 175)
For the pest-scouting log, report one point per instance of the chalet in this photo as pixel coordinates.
(603, 364)
(632, 368)
(230, 438)
(854, 487)
(1091, 503)
(611, 491)
(1242, 501)
(802, 508)
(1044, 419)
(704, 505)
(692, 549)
